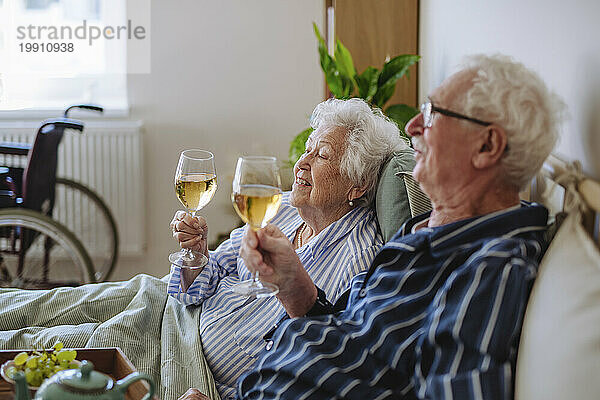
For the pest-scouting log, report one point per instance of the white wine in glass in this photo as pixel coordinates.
(195, 191)
(256, 204)
(195, 185)
(256, 198)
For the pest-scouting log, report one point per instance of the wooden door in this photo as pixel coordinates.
(376, 30)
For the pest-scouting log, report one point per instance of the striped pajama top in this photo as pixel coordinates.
(437, 316)
(232, 326)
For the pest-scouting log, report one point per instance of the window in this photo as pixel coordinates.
(59, 52)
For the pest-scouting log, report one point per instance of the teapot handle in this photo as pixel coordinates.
(22, 389)
(124, 383)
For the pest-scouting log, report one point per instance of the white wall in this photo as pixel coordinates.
(558, 39)
(233, 76)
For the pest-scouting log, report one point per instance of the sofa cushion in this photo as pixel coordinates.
(559, 352)
(398, 196)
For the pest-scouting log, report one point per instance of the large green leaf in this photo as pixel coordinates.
(326, 61)
(397, 67)
(401, 114)
(336, 84)
(339, 85)
(367, 83)
(344, 62)
(383, 94)
(390, 73)
(298, 145)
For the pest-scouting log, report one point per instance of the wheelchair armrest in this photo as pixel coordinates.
(90, 107)
(65, 123)
(17, 149)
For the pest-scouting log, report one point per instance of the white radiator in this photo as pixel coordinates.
(108, 158)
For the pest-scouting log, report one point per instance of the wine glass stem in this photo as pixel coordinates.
(256, 279)
(255, 276)
(188, 253)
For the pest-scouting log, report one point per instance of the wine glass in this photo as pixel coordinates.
(256, 198)
(195, 185)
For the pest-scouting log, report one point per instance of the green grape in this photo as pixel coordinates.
(65, 355)
(29, 375)
(32, 362)
(47, 371)
(34, 377)
(41, 364)
(11, 371)
(21, 358)
(37, 379)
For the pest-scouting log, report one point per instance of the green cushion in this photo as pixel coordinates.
(394, 204)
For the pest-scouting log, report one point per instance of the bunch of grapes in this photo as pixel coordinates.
(39, 365)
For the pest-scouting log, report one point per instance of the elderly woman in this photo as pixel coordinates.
(328, 219)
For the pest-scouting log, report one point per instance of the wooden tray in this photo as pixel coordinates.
(110, 361)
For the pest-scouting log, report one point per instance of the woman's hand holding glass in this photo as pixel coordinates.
(195, 185)
(190, 232)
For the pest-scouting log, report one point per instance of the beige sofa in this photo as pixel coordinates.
(559, 352)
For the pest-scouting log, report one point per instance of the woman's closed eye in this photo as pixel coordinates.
(321, 151)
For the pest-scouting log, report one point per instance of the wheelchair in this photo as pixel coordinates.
(53, 231)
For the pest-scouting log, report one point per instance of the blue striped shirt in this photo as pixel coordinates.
(437, 316)
(232, 326)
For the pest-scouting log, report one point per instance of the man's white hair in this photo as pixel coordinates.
(370, 140)
(506, 93)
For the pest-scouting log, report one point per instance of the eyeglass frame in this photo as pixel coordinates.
(428, 122)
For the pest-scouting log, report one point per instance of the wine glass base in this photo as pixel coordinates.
(251, 288)
(185, 260)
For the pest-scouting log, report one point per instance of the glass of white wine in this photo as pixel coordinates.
(256, 198)
(195, 185)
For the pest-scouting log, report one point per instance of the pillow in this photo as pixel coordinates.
(398, 196)
(559, 352)
(417, 200)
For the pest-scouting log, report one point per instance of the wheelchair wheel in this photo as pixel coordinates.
(85, 214)
(37, 252)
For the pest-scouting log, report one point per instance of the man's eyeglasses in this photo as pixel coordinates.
(428, 108)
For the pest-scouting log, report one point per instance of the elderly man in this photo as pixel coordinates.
(438, 315)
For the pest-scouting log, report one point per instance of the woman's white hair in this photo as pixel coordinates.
(506, 93)
(370, 140)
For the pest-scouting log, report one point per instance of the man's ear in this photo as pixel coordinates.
(355, 193)
(493, 145)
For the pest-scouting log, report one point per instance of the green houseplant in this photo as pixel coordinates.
(375, 86)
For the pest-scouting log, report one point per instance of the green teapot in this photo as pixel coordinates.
(83, 383)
